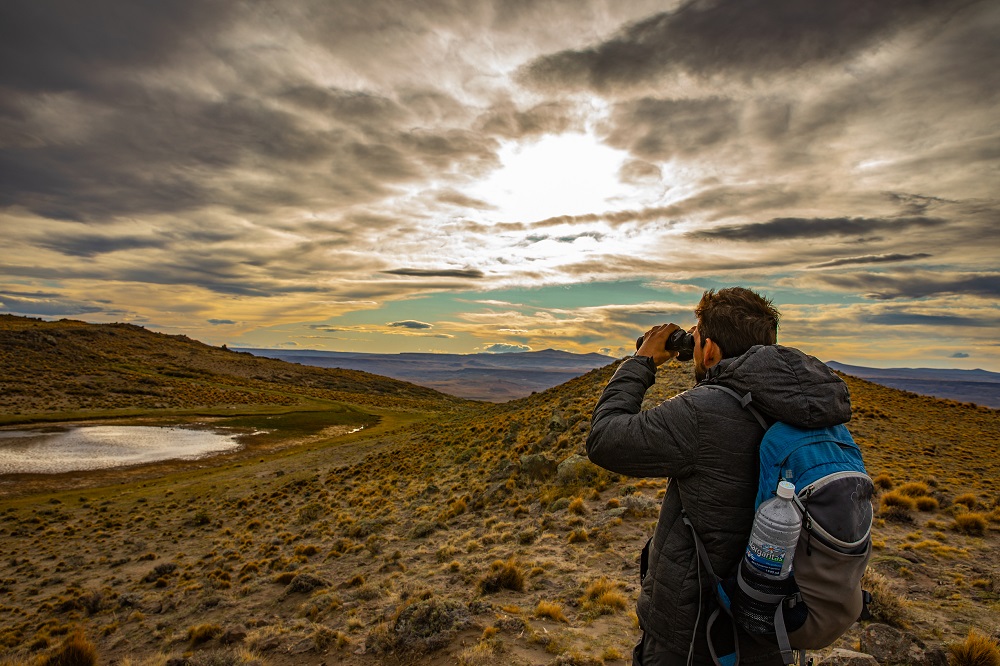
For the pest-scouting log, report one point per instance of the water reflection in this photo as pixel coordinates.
(77, 448)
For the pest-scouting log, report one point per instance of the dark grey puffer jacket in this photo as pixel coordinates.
(706, 443)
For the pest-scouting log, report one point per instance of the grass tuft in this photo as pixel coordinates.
(975, 650)
(75, 650)
(203, 633)
(503, 576)
(887, 606)
(551, 610)
(971, 523)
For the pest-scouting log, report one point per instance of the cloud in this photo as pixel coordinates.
(638, 172)
(411, 324)
(915, 284)
(659, 129)
(903, 318)
(470, 273)
(456, 198)
(297, 162)
(220, 322)
(505, 348)
(872, 259)
(90, 245)
(57, 46)
(552, 117)
(46, 305)
(738, 37)
(795, 227)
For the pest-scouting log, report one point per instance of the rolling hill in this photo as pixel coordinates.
(492, 377)
(459, 532)
(978, 386)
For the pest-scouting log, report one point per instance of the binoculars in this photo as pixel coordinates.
(679, 341)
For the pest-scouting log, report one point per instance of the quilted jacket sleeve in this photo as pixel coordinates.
(660, 442)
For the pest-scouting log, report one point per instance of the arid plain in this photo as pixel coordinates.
(445, 531)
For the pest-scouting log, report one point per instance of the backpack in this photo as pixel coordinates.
(823, 597)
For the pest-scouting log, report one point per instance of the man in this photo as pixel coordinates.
(706, 444)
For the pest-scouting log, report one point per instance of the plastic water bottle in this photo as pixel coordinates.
(775, 532)
(767, 566)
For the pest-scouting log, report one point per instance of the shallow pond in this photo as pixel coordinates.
(77, 448)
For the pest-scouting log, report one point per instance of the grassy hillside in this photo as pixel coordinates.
(92, 370)
(451, 539)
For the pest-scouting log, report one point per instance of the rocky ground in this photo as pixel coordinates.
(476, 534)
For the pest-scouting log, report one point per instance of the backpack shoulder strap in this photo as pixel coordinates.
(744, 401)
(724, 603)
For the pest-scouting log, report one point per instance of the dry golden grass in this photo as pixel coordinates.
(975, 650)
(550, 610)
(434, 508)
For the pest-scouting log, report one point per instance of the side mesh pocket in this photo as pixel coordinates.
(830, 584)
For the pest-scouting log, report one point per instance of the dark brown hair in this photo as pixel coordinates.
(736, 319)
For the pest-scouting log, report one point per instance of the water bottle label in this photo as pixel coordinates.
(766, 558)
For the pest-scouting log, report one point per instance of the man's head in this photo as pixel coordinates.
(730, 322)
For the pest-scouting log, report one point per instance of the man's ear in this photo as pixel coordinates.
(711, 353)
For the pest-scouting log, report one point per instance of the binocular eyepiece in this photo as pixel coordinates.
(679, 341)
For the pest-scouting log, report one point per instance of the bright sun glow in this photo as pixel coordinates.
(569, 174)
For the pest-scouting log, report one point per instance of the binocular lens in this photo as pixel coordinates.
(679, 341)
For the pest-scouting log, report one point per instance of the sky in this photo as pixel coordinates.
(506, 175)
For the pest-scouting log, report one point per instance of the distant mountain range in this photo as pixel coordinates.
(502, 377)
(979, 386)
(490, 377)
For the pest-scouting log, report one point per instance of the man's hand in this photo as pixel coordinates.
(654, 344)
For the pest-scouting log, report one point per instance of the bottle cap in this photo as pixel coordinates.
(786, 490)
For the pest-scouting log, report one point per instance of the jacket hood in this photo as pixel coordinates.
(786, 385)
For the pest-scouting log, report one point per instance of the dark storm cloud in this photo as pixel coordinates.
(890, 286)
(90, 245)
(231, 274)
(354, 108)
(471, 273)
(663, 128)
(745, 37)
(787, 228)
(38, 295)
(153, 156)
(710, 203)
(53, 45)
(47, 305)
(409, 323)
(904, 318)
(138, 130)
(871, 259)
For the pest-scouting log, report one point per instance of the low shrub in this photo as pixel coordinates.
(927, 503)
(503, 575)
(887, 606)
(75, 650)
(914, 489)
(896, 506)
(421, 627)
(550, 610)
(975, 650)
(603, 597)
(203, 633)
(971, 523)
(967, 499)
(883, 482)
